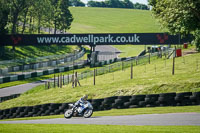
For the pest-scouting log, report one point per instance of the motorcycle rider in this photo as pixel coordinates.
(81, 102)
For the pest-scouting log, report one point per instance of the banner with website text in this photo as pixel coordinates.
(92, 39)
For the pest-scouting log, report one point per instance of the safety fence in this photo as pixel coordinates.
(108, 66)
(21, 66)
(65, 65)
(41, 72)
(114, 102)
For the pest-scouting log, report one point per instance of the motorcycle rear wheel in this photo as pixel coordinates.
(68, 114)
(88, 113)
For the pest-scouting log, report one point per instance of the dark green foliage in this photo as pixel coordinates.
(76, 3)
(28, 17)
(117, 4)
(179, 16)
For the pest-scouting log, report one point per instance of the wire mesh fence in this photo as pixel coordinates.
(59, 80)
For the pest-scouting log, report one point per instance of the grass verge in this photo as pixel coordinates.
(58, 128)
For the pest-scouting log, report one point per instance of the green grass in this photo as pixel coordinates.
(147, 79)
(22, 52)
(130, 50)
(58, 128)
(112, 20)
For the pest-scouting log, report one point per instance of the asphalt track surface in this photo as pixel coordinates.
(19, 89)
(146, 119)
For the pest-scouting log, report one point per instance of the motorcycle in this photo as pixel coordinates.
(84, 110)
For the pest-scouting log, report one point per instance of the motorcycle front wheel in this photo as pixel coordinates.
(68, 114)
(88, 113)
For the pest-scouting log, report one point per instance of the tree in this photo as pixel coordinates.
(179, 16)
(17, 7)
(114, 4)
(41, 10)
(62, 18)
(76, 3)
(4, 11)
(128, 4)
(66, 15)
(117, 4)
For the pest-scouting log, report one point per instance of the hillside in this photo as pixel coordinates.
(112, 20)
(147, 79)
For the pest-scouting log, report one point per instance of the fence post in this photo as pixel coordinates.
(131, 70)
(45, 85)
(48, 85)
(58, 81)
(63, 79)
(54, 81)
(75, 79)
(122, 65)
(94, 78)
(68, 79)
(173, 68)
(149, 57)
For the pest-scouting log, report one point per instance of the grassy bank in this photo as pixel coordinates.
(147, 79)
(23, 52)
(112, 20)
(58, 128)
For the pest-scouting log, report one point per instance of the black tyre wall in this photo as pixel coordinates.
(119, 102)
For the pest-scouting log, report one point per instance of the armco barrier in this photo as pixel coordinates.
(9, 97)
(40, 73)
(50, 63)
(118, 102)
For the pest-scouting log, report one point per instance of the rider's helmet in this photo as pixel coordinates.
(85, 97)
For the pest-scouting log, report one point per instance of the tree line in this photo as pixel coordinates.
(117, 4)
(110, 4)
(17, 16)
(28, 16)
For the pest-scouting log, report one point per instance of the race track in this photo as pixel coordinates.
(147, 119)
